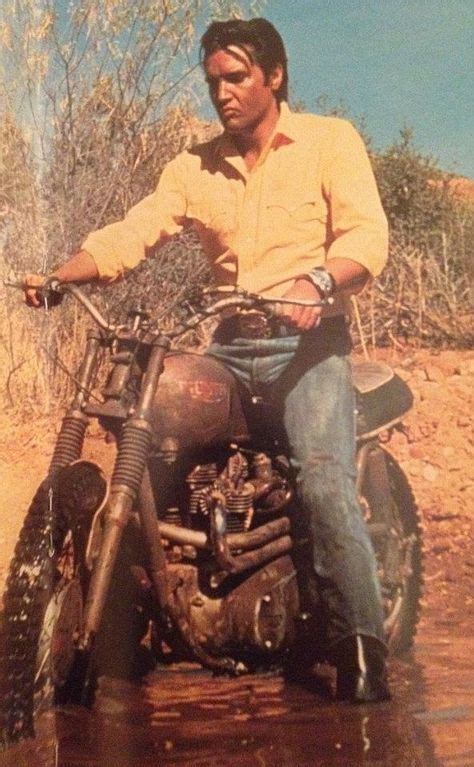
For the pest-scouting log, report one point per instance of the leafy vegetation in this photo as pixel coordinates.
(424, 295)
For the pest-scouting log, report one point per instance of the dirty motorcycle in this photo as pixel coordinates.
(192, 549)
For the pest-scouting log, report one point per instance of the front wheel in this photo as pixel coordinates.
(44, 595)
(394, 526)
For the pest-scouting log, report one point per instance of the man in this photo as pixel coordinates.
(285, 205)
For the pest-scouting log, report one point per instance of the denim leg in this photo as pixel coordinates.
(311, 381)
(320, 423)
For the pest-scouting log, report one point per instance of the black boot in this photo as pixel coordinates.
(361, 669)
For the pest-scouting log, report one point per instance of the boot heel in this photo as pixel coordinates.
(361, 669)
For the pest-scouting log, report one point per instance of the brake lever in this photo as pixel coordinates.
(50, 291)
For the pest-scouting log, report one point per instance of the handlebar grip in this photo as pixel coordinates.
(50, 292)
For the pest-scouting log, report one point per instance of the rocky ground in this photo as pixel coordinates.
(436, 451)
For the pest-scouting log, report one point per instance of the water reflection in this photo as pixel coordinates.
(187, 717)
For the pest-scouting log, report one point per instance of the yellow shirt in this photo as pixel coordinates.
(310, 197)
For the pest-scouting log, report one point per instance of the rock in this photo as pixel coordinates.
(430, 472)
(434, 374)
(463, 420)
(448, 450)
(417, 451)
(431, 390)
(440, 548)
(414, 468)
(466, 367)
(405, 375)
(420, 374)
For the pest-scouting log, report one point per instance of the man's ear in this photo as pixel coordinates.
(276, 78)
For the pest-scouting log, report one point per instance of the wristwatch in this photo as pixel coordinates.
(322, 280)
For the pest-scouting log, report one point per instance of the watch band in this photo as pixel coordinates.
(322, 280)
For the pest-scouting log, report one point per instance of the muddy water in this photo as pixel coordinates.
(186, 717)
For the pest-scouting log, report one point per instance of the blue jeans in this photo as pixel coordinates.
(308, 378)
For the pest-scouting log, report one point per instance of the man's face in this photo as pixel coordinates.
(241, 94)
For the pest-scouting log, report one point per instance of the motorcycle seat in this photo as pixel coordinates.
(382, 397)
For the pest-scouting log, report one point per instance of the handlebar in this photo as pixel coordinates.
(55, 287)
(231, 298)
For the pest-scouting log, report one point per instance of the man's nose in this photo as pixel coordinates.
(222, 91)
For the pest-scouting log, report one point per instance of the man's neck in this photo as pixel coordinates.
(251, 143)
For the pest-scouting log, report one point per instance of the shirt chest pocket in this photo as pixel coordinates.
(301, 211)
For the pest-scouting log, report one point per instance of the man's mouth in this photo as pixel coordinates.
(228, 113)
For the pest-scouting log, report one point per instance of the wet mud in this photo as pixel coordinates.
(185, 716)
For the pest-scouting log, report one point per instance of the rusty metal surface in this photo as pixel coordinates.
(257, 617)
(244, 541)
(197, 403)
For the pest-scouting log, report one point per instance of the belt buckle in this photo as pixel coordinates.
(253, 325)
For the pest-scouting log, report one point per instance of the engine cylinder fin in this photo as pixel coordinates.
(202, 475)
(235, 523)
(173, 516)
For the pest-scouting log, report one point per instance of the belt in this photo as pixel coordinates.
(256, 326)
(252, 325)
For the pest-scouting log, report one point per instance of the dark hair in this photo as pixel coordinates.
(259, 37)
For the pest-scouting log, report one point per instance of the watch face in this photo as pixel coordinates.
(322, 280)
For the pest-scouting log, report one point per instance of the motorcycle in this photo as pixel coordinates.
(194, 548)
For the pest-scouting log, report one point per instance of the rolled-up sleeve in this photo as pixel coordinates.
(121, 246)
(359, 228)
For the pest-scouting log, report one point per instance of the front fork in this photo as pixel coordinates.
(73, 428)
(130, 466)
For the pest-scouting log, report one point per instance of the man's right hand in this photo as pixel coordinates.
(31, 282)
(80, 268)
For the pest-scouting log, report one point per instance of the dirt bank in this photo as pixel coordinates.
(437, 453)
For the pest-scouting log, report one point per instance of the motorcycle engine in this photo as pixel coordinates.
(253, 491)
(241, 603)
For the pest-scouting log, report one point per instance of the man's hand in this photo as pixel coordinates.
(80, 268)
(32, 296)
(302, 317)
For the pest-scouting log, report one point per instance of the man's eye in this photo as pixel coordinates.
(233, 79)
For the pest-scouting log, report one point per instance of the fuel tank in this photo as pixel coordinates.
(197, 403)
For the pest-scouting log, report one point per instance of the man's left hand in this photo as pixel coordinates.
(302, 317)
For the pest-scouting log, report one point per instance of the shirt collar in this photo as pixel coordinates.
(284, 133)
(285, 125)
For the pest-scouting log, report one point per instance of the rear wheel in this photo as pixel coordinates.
(394, 526)
(44, 596)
